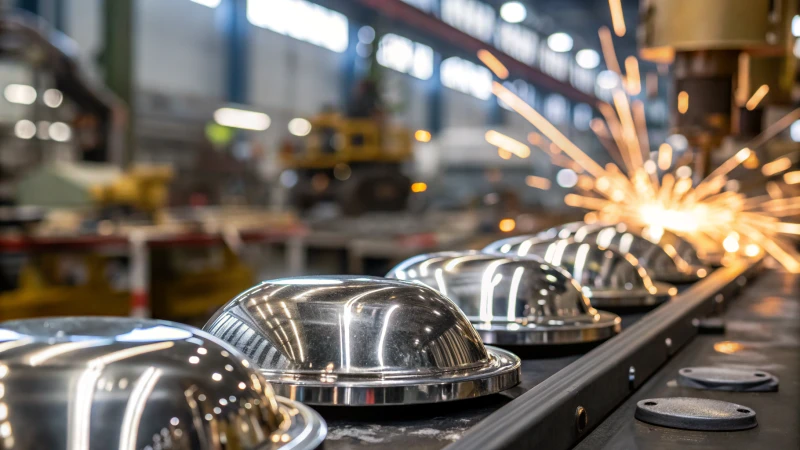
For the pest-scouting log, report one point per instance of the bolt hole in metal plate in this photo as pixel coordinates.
(725, 379)
(695, 414)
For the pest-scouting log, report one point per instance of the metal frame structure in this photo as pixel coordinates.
(563, 409)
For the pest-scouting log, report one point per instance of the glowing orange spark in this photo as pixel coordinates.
(493, 63)
(792, 177)
(547, 128)
(758, 95)
(537, 182)
(683, 102)
(507, 143)
(664, 156)
(633, 82)
(777, 166)
(609, 54)
(617, 19)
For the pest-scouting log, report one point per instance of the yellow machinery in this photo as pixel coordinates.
(354, 162)
(144, 188)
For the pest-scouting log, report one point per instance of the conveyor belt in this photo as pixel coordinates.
(434, 426)
(765, 323)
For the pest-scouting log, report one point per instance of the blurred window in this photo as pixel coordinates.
(470, 16)
(405, 55)
(467, 77)
(301, 20)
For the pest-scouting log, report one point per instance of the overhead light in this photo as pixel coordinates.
(794, 131)
(366, 34)
(587, 58)
(607, 79)
(683, 172)
(209, 3)
(25, 129)
(560, 42)
(422, 136)
(53, 98)
(59, 131)
(299, 127)
(513, 12)
(20, 93)
(567, 178)
(240, 118)
(796, 26)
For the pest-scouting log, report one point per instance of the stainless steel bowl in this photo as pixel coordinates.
(512, 300)
(661, 263)
(357, 341)
(608, 278)
(84, 383)
(519, 245)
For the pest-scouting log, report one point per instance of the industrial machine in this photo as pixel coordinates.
(723, 54)
(355, 162)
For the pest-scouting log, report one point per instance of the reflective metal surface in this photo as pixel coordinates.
(512, 300)
(520, 245)
(662, 263)
(608, 278)
(341, 340)
(99, 383)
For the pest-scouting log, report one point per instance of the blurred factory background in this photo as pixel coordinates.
(158, 156)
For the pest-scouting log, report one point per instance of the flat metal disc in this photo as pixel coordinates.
(701, 414)
(306, 428)
(328, 389)
(573, 330)
(725, 379)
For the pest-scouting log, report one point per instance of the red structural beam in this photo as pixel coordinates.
(398, 10)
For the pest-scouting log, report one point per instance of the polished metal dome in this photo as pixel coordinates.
(92, 383)
(512, 300)
(608, 278)
(519, 245)
(662, 263)
(343, 340)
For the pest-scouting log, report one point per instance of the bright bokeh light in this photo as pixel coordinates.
(513, 12)
(794, 131)
(607, 79)
(796, 26)
(559, 42)
(507, 225)
(25, 129)
(241, 118)
(406, 56)
(752, 250)
(299, 126)
(366, 34)
(587, 58)
(567, 178)
(683, 172)
(731, 243)
(301, 20)
(21, 94)
(60, 132)
(422, 136)
(419, 187)
(53, 98)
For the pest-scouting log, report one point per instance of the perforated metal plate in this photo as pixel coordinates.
(701, 414)
(725, 379)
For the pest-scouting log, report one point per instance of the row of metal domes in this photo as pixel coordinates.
(417, 336)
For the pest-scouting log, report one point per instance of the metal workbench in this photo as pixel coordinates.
(541, 411)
